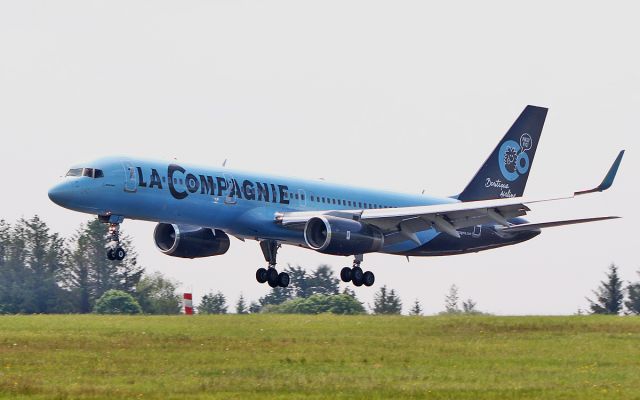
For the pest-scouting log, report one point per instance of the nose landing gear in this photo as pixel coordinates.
(115, 252)
(356, 275)
(270, 274)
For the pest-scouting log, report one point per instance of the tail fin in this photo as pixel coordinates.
(505, 172)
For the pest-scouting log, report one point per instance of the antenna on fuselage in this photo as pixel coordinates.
(224, 163)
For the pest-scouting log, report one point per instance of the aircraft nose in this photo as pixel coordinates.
(60, 194)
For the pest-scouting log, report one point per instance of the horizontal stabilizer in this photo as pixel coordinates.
(534, 226)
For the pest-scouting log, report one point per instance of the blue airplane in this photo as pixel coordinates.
(197, 208)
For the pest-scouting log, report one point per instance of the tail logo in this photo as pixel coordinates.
(513, 159)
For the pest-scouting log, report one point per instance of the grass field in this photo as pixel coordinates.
(290, 357)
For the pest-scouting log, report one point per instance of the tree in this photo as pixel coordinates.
(386, 302)
(322, 281)
(213, 304)
(254, 307)
(633, 302)
(416, 309)
(277, 295)
(32, 263)
(469, 307)
(117, 302)
(609, 296)
(451, 301)
(92, 274)
(158, 294)
(241, 305)
(319, 303)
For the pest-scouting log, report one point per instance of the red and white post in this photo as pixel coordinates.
(188, 304)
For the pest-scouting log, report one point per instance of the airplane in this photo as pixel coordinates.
(198, 208)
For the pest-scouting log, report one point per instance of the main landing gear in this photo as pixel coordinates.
(270, 274)
(115, 252)
(356, 275)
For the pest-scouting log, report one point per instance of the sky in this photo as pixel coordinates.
(399, 95)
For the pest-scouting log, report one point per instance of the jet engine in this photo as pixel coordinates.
(341, 236)
(190, 241)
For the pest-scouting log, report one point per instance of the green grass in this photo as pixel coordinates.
(318, 357)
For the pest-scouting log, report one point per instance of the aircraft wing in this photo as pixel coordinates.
(449, 217)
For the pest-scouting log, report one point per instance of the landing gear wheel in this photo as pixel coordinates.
(261, 275)
(368, 278)
(110, 255)
(358, 280)
(120, 254)
(357, 275)
(283, 279)
(345, 274)
(272, 277)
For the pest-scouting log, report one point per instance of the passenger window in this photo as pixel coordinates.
(311, 198)
(301, 197)
(296, 196)
(334, 201)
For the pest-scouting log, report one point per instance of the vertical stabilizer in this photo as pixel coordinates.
(505, 172)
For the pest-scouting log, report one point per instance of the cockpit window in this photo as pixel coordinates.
(88, 172)
(75, 172)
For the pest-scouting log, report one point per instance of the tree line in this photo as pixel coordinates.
(41, 272)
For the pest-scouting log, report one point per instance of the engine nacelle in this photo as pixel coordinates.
(342, 236)
(190, 241)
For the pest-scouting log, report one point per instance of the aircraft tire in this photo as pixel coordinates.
(283, 279)
(261, 275)
(356, 274)
(368, 278)
(358, 281)
(120, 254)
(272, 277)
(345, 274)
(110, 255)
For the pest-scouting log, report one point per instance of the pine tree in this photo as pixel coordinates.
(92, 274)
(469, 307)
(32, 262)
(609, 296)
(254, 307)
(213, 304)
(451, 301)
(386, 302)
(416, 309)
(322, 281)
(241, 305)
(633, 302)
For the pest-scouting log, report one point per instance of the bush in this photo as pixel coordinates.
(116, 302)
(318, 304)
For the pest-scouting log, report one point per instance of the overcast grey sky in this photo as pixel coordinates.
(400, 95)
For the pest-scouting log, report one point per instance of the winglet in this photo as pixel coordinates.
(608, 179)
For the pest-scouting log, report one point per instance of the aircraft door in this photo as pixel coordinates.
(130, 177)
